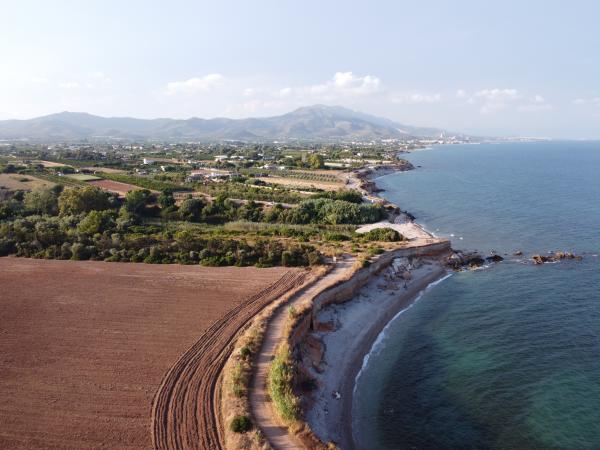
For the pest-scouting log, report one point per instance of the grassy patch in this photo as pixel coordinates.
(82, 177)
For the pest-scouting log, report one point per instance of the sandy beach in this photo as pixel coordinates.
(347, 333)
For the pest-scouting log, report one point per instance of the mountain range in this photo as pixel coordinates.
(318, 122)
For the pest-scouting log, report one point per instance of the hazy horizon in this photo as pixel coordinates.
(467, 67)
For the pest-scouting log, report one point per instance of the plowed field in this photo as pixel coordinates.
(120, 356)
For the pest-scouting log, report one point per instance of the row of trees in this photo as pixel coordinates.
(87, 223)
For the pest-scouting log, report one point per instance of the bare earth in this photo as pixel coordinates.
(302, 184)
(13, 181)
(85, 346)
(410, 230)
(114, 186)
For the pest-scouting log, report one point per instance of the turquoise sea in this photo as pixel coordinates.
(507, 357)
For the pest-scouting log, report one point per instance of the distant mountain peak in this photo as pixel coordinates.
(315, 122)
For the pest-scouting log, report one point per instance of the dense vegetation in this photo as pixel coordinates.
(87, 223)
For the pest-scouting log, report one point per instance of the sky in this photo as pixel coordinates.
(503, 68)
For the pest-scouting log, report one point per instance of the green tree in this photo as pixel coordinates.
(41, 201)
(191, 209)
(80, 200)
(97, 222)
(316, 161)
(166, 199)
(136, 201)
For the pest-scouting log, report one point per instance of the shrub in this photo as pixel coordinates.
(240, 424)
(383, 235)
(333, 236)
(7, 246)
(238, 380)
(280, 385)
(375, 251)
(245, 352)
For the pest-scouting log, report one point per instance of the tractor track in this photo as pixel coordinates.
(186, 409)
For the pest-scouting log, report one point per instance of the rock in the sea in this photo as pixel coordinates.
(476, 261)
(518, 253)
(556, 256)
(459, 260)
(494, 258)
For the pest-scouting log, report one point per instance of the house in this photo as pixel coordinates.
(208, 175)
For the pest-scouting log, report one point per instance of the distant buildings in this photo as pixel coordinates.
(208, 175)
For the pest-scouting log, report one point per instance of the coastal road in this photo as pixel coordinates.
(264, 415)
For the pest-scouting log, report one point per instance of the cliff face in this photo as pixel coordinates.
(345, 290)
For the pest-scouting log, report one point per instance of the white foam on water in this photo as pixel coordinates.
(377, 345)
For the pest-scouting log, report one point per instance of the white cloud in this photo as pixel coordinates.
(285, 92)
(70, 85)
(416, 98)
(496, 99)
(537, 103)
(498, 94)
(348, 82)
(587, 101)
(461, 93)
(341, 85)
(195, 85)
(39, 80)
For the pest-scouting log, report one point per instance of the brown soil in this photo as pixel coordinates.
(86, 346)
(114, 186)
(13, 181)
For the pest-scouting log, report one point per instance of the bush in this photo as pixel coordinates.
(333, 236)
(240, 424)
(383, 235)
(7, 246)
(280, 385)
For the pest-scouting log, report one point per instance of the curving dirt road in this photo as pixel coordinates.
(185, 412)
(266, 418)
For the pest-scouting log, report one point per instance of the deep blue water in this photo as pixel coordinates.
(507, 357)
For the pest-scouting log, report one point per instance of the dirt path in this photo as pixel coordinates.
(185, 413)
(261, 407)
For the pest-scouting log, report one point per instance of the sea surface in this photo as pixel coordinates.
(506, 357)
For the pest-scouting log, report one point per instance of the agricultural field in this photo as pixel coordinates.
(15, 181)
(98, 355)
(103, 169)
(303, 183)
(82, 177)
(113, 186)
(50, 163)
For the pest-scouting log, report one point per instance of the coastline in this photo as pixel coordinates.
(349, 331)
(359, 326)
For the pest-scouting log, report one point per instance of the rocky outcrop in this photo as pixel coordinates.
(471, 260)
(557, 256)
(494, 258)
